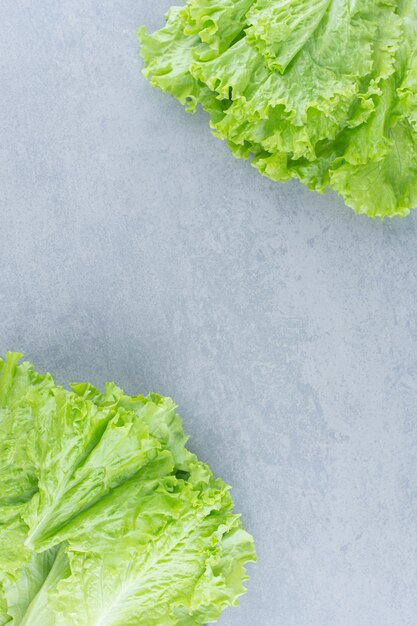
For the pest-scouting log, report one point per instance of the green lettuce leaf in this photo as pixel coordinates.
(82, 453)
(107, 518)
(178, 552)
(322, 91)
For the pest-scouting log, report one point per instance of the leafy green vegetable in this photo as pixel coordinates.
(319, 90)
(106, 519)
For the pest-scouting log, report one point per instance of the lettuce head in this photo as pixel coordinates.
(324, 91)
(106, 519)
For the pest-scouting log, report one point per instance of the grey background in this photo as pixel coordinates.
(134, 248)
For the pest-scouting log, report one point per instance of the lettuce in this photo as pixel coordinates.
(106, 519)
(322, 91)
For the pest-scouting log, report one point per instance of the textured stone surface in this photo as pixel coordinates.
(133, 247)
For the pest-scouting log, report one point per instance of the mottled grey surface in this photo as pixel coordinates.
(133, 247)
